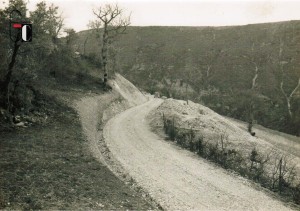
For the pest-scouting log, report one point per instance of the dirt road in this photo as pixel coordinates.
(176, 178)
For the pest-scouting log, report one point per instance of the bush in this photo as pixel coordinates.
(200, 146)
(257, 165)
(180, 139)
(191, 137)
(296, 194)
(253, 166)
(80, 77)
(169, 127)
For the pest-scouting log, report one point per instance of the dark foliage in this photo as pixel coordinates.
(46, 61)
(150, 56)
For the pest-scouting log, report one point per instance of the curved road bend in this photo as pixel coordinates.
(177, 179)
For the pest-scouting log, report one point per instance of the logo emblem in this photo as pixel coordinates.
(23, 30)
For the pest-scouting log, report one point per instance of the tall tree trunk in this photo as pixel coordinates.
(255, 77)
(280, 177)
(170, 89)
(84, 45)
(186, 93)
(104, 54)
(288, 98)
(110, 17)
(208, 71)
(288, 102)
(5, 84)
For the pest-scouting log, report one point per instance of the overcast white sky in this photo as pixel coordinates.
(77, 13)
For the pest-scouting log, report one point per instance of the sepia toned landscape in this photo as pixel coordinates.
(123, 117)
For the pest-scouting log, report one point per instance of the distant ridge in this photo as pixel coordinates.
(219, 63)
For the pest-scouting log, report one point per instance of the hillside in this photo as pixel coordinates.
(210, 126)
(226, 68)
(49, 165)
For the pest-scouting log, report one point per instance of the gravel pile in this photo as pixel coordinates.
(201, 119)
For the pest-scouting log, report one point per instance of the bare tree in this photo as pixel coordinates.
(207, 61)
(283, 172)
(110, 19)
(256, 57)
(258, 162)
(288, 96)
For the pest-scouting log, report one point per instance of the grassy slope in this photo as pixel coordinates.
(49, 167)
(286, 142)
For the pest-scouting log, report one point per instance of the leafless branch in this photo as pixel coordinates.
(60, 24)
(110, 18)
(293, 92)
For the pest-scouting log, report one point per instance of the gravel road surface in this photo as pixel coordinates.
(176, 178)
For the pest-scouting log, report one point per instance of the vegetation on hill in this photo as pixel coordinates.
(49, 166)
(237, 71)
(27, 68)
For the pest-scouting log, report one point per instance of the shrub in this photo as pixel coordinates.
(213, 151)
(172, 130)
(257, 165)
(169, 128)
(200, 146)
(80, 77)
(180, 139)
(254, 166)
(296, 194)
(283, 173)
(191, 137)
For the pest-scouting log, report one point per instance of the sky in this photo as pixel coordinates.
(78, 13)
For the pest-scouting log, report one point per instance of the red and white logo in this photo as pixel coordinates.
(25, 29)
